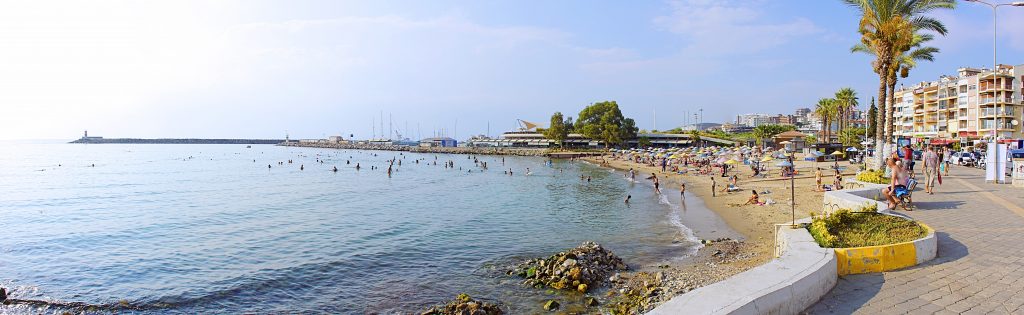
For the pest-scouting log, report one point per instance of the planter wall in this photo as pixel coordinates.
(881, 258)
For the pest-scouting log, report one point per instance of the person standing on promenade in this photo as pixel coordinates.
(908, 159)
(931, 170)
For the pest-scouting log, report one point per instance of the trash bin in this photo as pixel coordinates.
(1017, 174)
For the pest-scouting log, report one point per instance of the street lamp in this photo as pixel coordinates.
(995, 70)
(994, 32)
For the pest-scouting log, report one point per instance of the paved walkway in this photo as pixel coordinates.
(980, 263)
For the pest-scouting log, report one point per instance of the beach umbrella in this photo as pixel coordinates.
(766, 159)
(784, 164)
(732, 162)
(851, 149)
(838, 153)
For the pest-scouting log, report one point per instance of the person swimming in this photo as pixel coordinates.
(335, 169)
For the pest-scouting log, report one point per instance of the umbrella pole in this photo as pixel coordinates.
(792, 196)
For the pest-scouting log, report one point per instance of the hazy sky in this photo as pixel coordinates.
(254, 69)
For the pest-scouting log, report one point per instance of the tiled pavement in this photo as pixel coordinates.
(980, 263)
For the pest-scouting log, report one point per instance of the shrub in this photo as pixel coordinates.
(845, 228)
(873, 176)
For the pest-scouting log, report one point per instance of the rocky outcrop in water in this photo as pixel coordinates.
(581, 269)
(464, 305)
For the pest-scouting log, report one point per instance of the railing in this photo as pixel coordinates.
(997, 111)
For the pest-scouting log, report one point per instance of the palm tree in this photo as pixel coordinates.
(847, 102)
(887, 28)
(826, 109)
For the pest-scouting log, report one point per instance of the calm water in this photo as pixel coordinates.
(204, 228)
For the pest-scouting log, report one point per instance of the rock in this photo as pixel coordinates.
(590, 301)
(582, 288)
(551, 305)
(588, 264)
(463, 304)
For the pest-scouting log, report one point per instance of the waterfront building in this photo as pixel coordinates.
(974, 105)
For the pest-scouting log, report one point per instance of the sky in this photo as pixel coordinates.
(261, 69)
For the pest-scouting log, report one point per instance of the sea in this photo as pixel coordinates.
(199, 229)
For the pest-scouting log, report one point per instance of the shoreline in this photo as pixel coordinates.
(719, 260)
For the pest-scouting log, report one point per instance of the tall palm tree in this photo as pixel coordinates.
(826, 110)
(887, 28)
(846, 99)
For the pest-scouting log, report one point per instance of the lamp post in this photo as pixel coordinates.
(994, 33)
(995, 72)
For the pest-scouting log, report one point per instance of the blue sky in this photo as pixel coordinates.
(257, 68)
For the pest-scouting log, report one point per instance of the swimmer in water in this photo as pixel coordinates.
(357, 166)
(628, 197)
(302, 167)
(335, 169)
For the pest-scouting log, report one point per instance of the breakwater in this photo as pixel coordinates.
(444, 150)
(176, 141)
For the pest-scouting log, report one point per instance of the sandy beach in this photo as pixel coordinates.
(755, 223)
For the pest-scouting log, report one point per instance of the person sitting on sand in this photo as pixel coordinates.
(753, 200)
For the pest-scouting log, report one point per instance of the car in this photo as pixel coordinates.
(962, 158)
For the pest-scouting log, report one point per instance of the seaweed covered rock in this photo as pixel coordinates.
(580, 269)
(464, 305)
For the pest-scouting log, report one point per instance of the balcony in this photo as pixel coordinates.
(988, 112)
(994, 100)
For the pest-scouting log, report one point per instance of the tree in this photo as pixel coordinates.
(826, 110)
(604, 121)
(851, 136)
(557, 130)
(872, 119)
(846, 102)
(810, 139)
(643, 142)
(886, 29)
(695, 136)
(767, 131)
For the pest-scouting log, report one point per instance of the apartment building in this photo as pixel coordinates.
(976, 104)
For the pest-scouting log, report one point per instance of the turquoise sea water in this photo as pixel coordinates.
(205, 229)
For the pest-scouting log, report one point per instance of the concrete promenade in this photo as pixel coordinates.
(980, 263)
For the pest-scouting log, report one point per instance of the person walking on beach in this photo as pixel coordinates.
(654, 178)
(713, 184)
(682, 191)
(931, 170)
(817, 180)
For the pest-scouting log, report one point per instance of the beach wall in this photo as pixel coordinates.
(441, 150)
(802, 273)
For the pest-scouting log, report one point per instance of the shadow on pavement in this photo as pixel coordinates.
(949, 249)
(937, 205)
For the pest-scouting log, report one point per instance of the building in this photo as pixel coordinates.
(439, 142)
(790, 140)
(976, 104)
(753, 120)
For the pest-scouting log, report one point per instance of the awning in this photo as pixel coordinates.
(942, 141)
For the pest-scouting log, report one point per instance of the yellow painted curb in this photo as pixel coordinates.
(857, 260)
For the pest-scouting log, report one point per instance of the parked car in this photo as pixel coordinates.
(963, 158)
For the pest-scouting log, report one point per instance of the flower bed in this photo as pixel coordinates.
(844, 228)
(873, 176)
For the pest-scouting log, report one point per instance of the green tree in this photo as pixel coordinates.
(851, 136)
(557, 130)
(810, 139)
(695, 136)
(872, 119)
(887, 28)
(767, 131)
(643, 142)
(826, 111)
(604, 121)
(846, 102)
